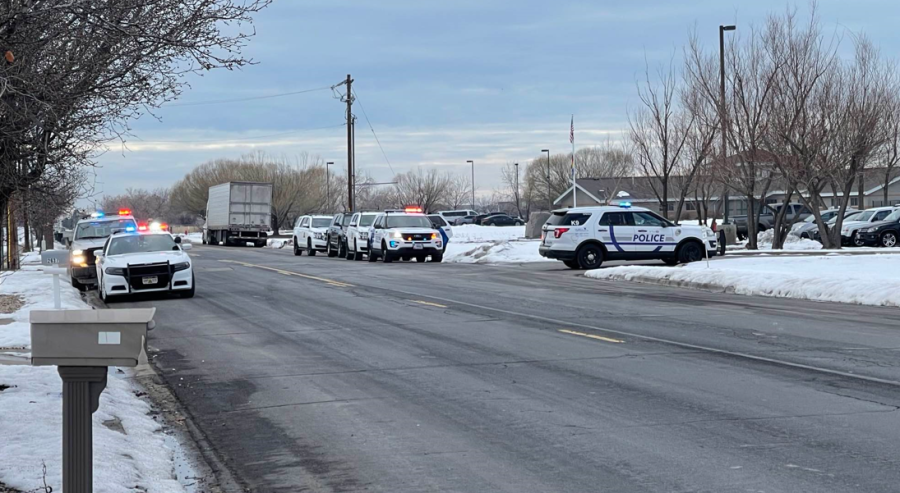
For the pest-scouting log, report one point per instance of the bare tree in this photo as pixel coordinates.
(459, 191)
(425, 189)
(144, 204)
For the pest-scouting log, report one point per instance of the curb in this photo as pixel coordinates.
(701, 286)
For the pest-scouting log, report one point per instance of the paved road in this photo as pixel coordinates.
(318, 374)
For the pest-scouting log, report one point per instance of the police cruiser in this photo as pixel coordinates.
(132, 263)
(584, 237)
(88, 237)
(405, 234)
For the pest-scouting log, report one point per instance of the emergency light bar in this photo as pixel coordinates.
(124, 212)
(413, 209)
(624, 205)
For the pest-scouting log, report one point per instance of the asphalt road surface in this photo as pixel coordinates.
(322, 374)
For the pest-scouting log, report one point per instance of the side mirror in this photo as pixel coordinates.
(98, 254)
(186, 246)
(177, 239)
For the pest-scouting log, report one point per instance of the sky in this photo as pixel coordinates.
(440, 82)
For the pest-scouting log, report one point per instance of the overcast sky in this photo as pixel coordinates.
(441, 82)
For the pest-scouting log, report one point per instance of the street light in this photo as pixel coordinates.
(722, 30)
(549, 198)
(328, 185)
(473, 182)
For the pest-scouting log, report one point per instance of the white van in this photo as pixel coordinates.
(451, 215)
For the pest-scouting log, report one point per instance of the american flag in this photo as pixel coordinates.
(572, 131)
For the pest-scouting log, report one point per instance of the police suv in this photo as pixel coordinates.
(405, 235)
(583, 237)
(88, 238)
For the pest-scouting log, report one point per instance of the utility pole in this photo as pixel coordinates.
(350, 163)
(549, 197)
(722, 30)
(328, 185)
(473, 182)
(518, 210)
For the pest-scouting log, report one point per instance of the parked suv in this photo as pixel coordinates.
(309, 234)
(885, 233)
(336, 235)
(766, 217)
(405, 235)
(88, 238)
(850, 230)
(358, 234)
(585, 237)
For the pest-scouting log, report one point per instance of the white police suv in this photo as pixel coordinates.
(358, 234)
(88, 238)
(405, 235)
(583, 237)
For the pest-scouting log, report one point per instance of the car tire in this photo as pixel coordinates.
(519, 223)
(420, 258)
(329, 250)
(373, 257)
(190, 292)
(342, 249)
(297, 251)
(857, 240)
(348, 255)
(101, 293)
(691, 251)
(386, 256)
(889, 239)
(357, 255)
(572, 264)
(260, 244)
(406, 258)
(309, 248)
(437, 258)
(590, 256)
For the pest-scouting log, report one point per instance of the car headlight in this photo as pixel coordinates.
(319, 236)
(180, 266)
(364, 236)
(115, 271)
(871, 230)
(79, 259)
(77, 252)
(396, 234)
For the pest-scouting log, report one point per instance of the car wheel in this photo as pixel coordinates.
(347, 253)
(590, 257)
(691, 251)
(437, 258)
(386, 255)
(857, 240)
(190, 292)
(309, 248)
(519, 223)
(329, 250)
(342, 249)
(572, 264)
(101, 292)
(373, 257)
(406, 258)
(297, 250)
(357, 255)
(889, 239)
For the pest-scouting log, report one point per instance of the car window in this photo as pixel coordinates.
(346, 221)
(880, 215)
(102, 229)
(648, 219)
(354, 220)
(894, 216)
(379, 222)
(614, 219)
(142, 244)
(366, 220)
(408, 222)
(319, 222)
(297, 224)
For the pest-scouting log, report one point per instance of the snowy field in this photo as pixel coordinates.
(131, 450)
(864, 280)
(473, 244)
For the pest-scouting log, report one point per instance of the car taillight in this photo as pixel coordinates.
(559, 232)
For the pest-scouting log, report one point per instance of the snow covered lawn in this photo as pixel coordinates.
(473, 244)
(864, 280)
(130, 447)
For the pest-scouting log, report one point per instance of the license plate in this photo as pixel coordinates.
(150, 280)
(417, 246)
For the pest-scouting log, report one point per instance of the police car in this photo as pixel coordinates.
(584, 237)
(358, 234)
(131, 263)
(405, 234)
(88, 237)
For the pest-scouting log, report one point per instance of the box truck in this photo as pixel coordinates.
(238, 213)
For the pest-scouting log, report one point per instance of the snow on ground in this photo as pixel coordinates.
(130, 451)
(865, 280)
(473, 244)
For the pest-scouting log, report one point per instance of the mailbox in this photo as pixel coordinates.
(89, 337)
(55, 258)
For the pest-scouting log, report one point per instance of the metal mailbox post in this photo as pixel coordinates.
(83, 343)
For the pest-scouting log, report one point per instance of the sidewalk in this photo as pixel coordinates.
(132, 451)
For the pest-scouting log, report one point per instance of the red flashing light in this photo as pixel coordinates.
(124, 212)
(559, 232)
(164, 227)
(142, 227)
(413, 209)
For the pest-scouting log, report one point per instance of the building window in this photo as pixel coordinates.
(689, 206)
(670, 206)
(738, 207)
(854, 201)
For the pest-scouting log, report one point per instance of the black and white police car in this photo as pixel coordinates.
(406, 235)
(585, 237)
(133, 262)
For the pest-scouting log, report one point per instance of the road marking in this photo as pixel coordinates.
(330, 282)
(429, 303)
(592, 336)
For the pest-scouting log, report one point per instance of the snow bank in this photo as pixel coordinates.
(764, 242)
(130, 450)
(864, 279)
(470, 233)
(494, 252)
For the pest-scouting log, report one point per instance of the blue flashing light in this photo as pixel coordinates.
(129, 229)
(624, 205)
(393, 244)
(97, 214)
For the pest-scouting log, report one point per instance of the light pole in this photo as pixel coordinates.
(328, 185)
(549, 198)
(473, 182)
(722, 30)
(518, 211)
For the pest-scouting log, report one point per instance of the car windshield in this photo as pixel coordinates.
(408, 222)
(864, 216)
(894, 216)
(321, 222)
(367, 219)
(102, 229)
(142, 244)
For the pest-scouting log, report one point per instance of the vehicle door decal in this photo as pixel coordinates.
(658, 248)
(612, 237)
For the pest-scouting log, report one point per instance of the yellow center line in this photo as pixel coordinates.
(429, 303)
(592, 336)
(330, 282)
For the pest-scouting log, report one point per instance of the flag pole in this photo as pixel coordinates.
(574, 183)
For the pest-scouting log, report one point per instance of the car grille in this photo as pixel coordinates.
(137, 273)
(416, 236)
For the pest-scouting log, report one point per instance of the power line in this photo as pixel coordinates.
(253, 98)
(292, 132)
(356, 95)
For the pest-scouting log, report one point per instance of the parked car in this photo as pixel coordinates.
(803, 228)
(766, 218)
(481, 217)
(441, 224)
(850, 230)
(814, 231)
(502, 220)
(357, 234)
(451, 216)
(309, 234)
(885, 233)
(459, 221)
(336, 235)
